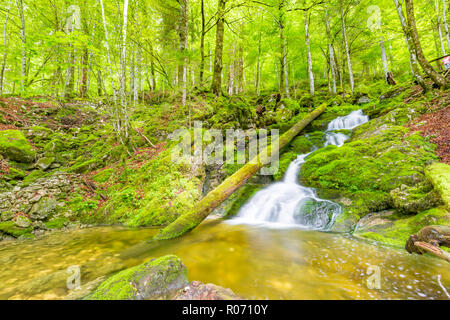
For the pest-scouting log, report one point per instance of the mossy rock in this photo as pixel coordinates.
(439, 175)
(155, 279)
(45, 163)
(395, 229)
(32, 177)
(11, 229)
(57, 223)
(14, 146)
(412, 200)
(301, 145)
(56, 145)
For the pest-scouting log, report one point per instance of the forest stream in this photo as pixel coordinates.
(271, 250)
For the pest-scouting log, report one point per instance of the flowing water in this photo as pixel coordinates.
(270, 255)
(287, 203)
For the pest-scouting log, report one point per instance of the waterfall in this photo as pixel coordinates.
(289, 204)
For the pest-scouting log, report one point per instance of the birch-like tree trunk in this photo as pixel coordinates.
(123, 114)
(438, 25)
(23, 68)
(426, 66)
(108, 54)
(330, 53)
(384, 58)
(202, 42)
(184, 21)
(6, 43)
(284, 82)
(216, 87)
(347, 49)
(308, 48)
(444, 19)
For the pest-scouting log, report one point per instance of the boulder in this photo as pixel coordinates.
(412, 200)
(439, 175)
(363, 100)
(200, 291)
(156, 279)
(45, 163)
(43, 208)
(14, 146)
(22, 222)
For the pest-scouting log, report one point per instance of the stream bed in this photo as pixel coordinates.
(255, 262)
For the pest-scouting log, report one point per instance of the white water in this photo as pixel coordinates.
(289, 204)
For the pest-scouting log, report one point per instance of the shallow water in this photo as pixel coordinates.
(255, 262)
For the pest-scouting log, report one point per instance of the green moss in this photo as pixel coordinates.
(154, 279)
(439, 175)
(103, 175)
(14, 146)
(9, 228)
(397, 233)
(57, 223)
(239, 198)
(301, 145)
(32, 177)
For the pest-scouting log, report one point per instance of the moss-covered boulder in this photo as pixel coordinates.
(156, 279)
(376, 160)
(439, 176)
(412, 200)
(45, 162)
(14, 146)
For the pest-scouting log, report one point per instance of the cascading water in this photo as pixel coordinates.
(287, 203)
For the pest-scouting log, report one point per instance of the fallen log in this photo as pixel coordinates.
(429, 239)
(212, 200)
(436, 251)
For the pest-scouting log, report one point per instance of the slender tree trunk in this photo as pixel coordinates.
(5, 53)
(284, 85)
(258, 68)
(23, 69)
(438, 25)
(331, 53)
(123, 114)
(108, 54)
(216, 87)
(184, 21)
(409, 43)
(308, 48)
(347, 50)
(444, 18)
(202, 42)
(426, 66)
(384, 59)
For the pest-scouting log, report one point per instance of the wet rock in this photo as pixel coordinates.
(375, 222)
(200, 291)
(363, 100)
(7, 216)
(155, 279)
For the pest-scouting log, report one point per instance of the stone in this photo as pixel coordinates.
(363, 100)
(45, 163)
(200, 291)
(42, 209)
(375, 222)
(412, 200)
(22, 222)
(439, 175)
(155, 279)
(14, 146)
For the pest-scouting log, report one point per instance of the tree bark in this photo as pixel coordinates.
(202, 42)
(409, 43)
(212, 200)
(444, 18)
(216, 87)
(23, 69)
(426, 66)
(184, 24)
(330, 53)
(308, 48)
(438, 25)
(284, 85)
(5, 53)
(347, 50)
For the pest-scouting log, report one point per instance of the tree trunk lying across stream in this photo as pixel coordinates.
(212, 200)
